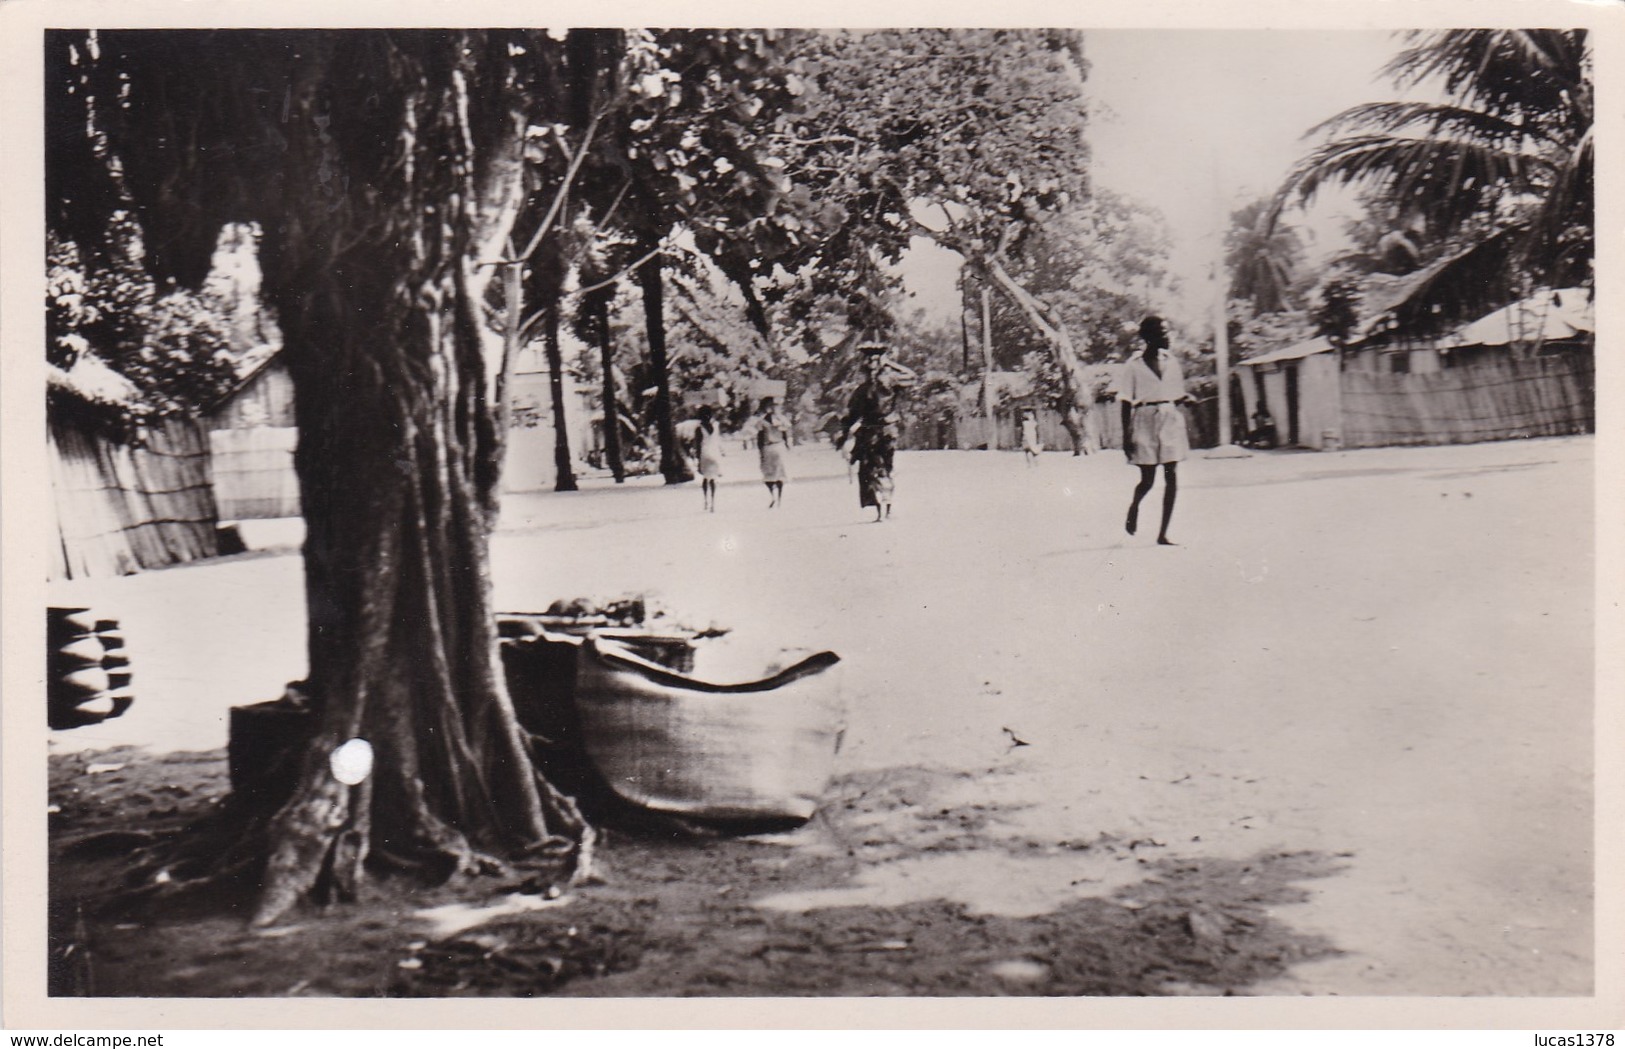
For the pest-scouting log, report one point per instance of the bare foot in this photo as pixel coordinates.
(1165, 541)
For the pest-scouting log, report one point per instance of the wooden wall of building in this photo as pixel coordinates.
(252, 438)
(254, 477)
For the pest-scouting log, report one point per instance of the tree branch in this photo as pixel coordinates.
(1047, 320)
(617, 277)
(513, 290)
(563, 190)
(557, 203)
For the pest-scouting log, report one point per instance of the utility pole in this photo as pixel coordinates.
(1221, 351)
(1221, 296)
(987, 367)
(964, 325)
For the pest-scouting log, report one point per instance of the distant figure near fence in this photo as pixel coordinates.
(1031, 446)
(1151, 388)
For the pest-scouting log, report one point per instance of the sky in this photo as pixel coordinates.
(1197, 122)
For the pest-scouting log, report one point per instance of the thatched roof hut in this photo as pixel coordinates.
(127, 492)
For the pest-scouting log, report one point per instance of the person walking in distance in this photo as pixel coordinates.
(873, 424)
(1031, 446)
(708, 451)
(772, 439)
(1151, 388)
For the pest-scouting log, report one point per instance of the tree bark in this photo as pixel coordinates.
(378, 296)
(381, 167)
(988, 421)
(563, 469)
(397, 574)
(1073, 421)
(672, 466)
(513, 295)
(612, 405)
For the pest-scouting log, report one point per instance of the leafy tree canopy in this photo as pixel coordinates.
(174, 348)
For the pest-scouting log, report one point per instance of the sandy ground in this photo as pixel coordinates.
(1378, 662)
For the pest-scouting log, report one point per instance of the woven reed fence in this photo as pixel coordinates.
(1488, 400)
(969, 430)
(120, 508)
(1201, 422)
(1104, 429)
(253, 472)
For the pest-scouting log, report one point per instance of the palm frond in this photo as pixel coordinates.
(1431, 119)
(1563, 222)
(1507, 69)
(1262, 260)
(1396, 252)
(1449, 180)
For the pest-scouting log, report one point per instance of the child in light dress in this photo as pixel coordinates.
(1031, 446)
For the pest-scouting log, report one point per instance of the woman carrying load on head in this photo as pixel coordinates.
(873, 423)
(772, 439)
(1151, 388)
(708, 452)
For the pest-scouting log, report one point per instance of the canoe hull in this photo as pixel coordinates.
(761, 750)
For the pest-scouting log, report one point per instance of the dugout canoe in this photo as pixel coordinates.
(670, 741)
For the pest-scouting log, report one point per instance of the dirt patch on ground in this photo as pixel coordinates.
(814, 911)
(1348, 655)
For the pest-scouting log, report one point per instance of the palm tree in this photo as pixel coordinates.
(1262, 258)
(1501, 170)
(1387, 241)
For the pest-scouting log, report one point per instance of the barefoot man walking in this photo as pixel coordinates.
(1151, 388)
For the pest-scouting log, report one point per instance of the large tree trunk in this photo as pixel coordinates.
(378, 295)
(383, 168)
(402, 648)
(672, 466)
(397, 462)
(563, 469)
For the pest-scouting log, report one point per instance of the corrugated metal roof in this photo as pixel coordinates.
(1549, 316)
(1565, 313)
(1297, 351)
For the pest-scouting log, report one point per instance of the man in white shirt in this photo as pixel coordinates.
(1151, 388)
